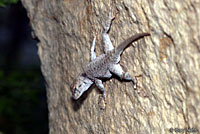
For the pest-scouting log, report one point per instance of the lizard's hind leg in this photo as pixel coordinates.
(106, 39)
(117, 69)
(92, 51)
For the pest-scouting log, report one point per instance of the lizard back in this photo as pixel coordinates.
(99, 67)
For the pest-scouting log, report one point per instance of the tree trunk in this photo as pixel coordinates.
(168, 62)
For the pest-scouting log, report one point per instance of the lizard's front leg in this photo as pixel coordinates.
(117, 69)
(100, 86)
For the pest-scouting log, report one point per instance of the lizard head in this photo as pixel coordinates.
(80, 85)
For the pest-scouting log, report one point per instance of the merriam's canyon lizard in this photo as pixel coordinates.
(103, 66)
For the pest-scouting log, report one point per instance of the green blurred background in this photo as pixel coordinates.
(23, 102)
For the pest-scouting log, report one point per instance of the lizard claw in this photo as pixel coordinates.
(111, 17)
(134, 80)
(102, 102)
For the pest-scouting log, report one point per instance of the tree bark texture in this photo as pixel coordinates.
(168, 62)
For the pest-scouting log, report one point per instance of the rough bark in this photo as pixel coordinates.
(169, 61)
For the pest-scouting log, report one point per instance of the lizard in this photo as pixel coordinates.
(103, 66)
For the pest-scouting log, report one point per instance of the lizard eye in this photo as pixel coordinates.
(79, 86)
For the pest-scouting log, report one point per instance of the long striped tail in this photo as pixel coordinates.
(128, 42)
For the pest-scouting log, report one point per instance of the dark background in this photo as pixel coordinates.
(23, 104)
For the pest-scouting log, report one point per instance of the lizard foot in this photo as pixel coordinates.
(139, 88)
(127, 76)
(102, 102)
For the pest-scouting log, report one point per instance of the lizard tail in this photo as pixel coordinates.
(128, 41)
